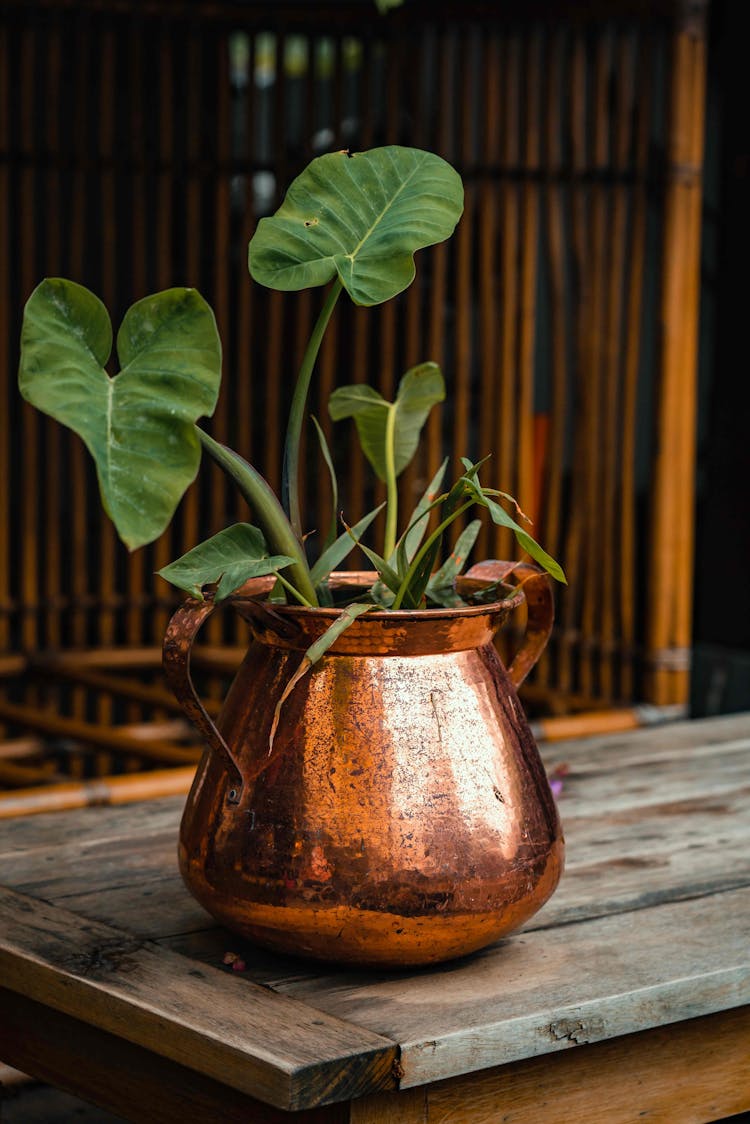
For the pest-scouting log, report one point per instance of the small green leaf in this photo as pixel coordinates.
(139, 424)
(456, 561)
(343, 545)
(390, 430)
(445, 597)
(360, 218)
(420, 516)
(387, 573)
(326, 453)
(234, 555)
(501, 518)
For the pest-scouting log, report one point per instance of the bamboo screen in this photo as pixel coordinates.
(139, 144)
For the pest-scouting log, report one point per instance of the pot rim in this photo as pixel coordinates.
(362, 579)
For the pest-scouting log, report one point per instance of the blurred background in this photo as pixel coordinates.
(587, 315)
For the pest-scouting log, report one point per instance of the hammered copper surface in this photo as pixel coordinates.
(403, 816)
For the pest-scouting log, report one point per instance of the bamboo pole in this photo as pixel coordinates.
(550, 498)
(165, 548)
(114, 686)
(460, 375)
(21, 776)
(52, 432)
(6, 536)
(672, 525)
(504, 445)
(104, 737)
(188, 63)
(103, 791)
(635, 280)
(440, 254)
(612, 575)
(526, 334)
(491, 102)
(30, 484)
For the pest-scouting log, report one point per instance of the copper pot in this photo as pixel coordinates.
(403, 815)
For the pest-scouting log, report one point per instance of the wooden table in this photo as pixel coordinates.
(622, 1000)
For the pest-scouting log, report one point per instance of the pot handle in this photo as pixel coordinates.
(178, 642)
(537, 589)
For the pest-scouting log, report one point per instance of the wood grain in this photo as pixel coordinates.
(263, 1044)
(684, 1074)
(649, 929)
(123, 1078)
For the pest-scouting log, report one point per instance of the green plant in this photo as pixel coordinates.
(350, 222)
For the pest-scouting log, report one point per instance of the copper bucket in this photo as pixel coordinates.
(403, 815)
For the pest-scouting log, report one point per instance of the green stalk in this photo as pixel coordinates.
(391, 517)
(266, 510)
(294, 592)
(290, 473)
(421, 553)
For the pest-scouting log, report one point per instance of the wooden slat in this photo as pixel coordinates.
(166, 547)
(6, 536)
(263, 1044)
(490, 103)
(67, 795)
(19, 776)
(528, 269)
(52, 555)
(116, 686)
(669, 593)
(30, 486)
(536, 995)
(123, 1078)
(683, 1074)
(633, 344)
(44, 833)
(48, 722)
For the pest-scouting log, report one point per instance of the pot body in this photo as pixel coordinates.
(399, 815)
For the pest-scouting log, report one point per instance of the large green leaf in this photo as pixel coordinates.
(389, 431)
(137, 425)
(360, 218)
(233, 555)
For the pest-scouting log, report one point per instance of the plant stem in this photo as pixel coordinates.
(290, 473)
(266, 510)
(391, 515)
(421, 553)
(294, 592)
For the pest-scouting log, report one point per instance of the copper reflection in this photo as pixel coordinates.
(403, 816)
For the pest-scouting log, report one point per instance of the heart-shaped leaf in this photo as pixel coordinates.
(360, 218)
(139, 424)
(235, 555)
(389, 431)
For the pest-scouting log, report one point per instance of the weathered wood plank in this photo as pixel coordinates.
(544, 991)
(128, 1079)
(659, 784)
(617, 862)
(683, 1074)
(54, 829)
(63, 871)
(227, 1028)
(682, 740)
